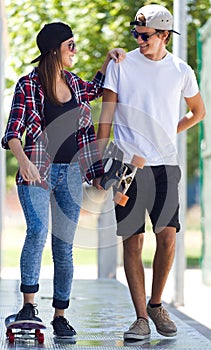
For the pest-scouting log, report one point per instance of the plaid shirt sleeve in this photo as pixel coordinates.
(26, 119)
(88, 153)
(25, 112)
(16, 122)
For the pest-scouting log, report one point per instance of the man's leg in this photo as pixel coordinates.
(131, 219)
(134, 271)
(162, 263)
(165, 219)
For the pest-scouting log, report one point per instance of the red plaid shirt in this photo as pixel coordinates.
(27, 115)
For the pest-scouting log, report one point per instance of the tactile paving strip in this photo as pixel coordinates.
(100, 311)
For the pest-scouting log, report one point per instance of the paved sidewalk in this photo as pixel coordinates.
(100, 311)
(196, 294)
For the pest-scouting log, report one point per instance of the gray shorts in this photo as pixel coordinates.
(155, 190)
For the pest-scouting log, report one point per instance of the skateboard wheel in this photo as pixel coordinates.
(138, 161)
(121, 199)
(40, 338)
(11, 338)
(37, 332)
(8, 332)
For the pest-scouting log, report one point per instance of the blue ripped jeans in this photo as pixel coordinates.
(64, 197)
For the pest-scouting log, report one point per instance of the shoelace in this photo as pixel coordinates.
(65, 323)
(137, 322)
(28, 309)
(164, 314)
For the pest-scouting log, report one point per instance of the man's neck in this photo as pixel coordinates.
(157, 56)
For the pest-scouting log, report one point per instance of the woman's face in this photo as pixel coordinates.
(68, 51)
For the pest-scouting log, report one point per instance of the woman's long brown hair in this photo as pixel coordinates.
(48, 68)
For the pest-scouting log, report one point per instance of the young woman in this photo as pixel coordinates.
(51, 108)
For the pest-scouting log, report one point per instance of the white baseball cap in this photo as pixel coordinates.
(156, 16)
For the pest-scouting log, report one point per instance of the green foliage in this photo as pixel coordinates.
(198, 14)
(11, 169)
(98, 26)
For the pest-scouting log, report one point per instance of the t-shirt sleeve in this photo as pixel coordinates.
(111, 78)
(191, 87)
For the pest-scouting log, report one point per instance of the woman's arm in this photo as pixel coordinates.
(28, 170)
(90, 90)
(16, 122)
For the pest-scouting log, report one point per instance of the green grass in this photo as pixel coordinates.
(85, 256)
(11, 257)
(13, 238)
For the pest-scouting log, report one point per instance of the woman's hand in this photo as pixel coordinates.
(117, 54)
(29, 171)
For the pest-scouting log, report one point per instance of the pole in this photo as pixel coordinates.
(2, 152)
(180, 49)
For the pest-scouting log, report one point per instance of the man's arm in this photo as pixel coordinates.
(195, 115)
(106, 118)
(105, 124)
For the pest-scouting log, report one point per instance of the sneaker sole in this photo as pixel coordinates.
(71, 337)
(136, 336)
(173, 334)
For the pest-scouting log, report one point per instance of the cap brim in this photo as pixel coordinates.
(174, 31)
(139, 23)
(36, 59)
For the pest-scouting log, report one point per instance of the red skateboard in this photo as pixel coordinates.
(24, 330)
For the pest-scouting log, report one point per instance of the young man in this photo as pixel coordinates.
(144, 91)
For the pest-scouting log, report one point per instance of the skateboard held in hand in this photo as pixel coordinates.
(117, 174)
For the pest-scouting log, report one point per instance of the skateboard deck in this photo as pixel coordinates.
(117, 175)
(114, 167)
(24, 330)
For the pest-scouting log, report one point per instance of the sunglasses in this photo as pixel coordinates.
(144, 36)
(72, 46)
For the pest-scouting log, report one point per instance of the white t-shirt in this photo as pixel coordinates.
(148, 109)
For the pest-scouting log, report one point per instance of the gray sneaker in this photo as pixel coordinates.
(162, 321)
(138, 330)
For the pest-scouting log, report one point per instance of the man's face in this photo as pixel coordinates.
(151, 42)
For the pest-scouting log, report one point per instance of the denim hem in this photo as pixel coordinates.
(60, 304)
(29, 289)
